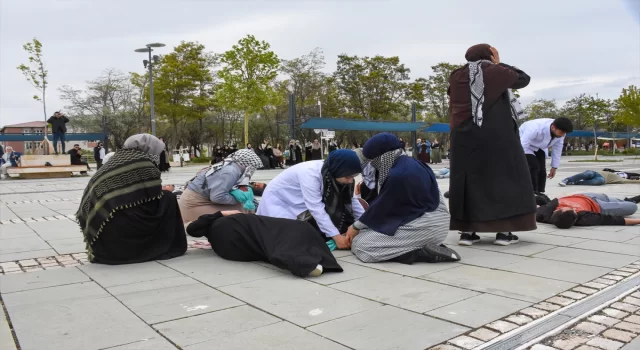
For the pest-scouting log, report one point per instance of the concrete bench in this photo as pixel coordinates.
(33, 167)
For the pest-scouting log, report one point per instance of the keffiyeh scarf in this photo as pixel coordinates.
(245, 157)
(476, 84)
(384, 163)
(130, 178)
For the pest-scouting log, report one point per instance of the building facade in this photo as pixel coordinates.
(37, 128)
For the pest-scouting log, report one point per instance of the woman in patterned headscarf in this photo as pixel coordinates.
(125, 215)
(408, 221)
(209, 191)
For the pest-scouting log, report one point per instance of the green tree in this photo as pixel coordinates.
(541, 108)
(628, 107)
(433, 89)
(183, 85)
(589, 112)
(248, 72)
(37, 75)
(373, 88)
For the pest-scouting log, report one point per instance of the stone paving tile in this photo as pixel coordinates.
(214, 325)
(27, 254)
(559, 270)
(16, 231)
(414, 270)
(485, 258)
(404, 292)
(157, 343)
(484, 334)
(587, 257)
(479, 310)
(171, 298)
(19, 245)
(42, 279)
(208, 268)
(605, 344)
(522, 248)
(466, 342)
(610, 247)
(6, 338)
(68, 246)
(388, 327)
(278, 336)
(548, 238)
(298, 301)
(75, 316)
(634, 345)
(507, 284)
(599, 235)
(115, 275)
(62, 229)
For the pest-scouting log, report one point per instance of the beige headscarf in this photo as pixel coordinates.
(145, 143)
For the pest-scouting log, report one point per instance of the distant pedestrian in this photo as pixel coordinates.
(59, 129)
(98, 154)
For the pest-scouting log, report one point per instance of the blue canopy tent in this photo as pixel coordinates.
(361, 125)
(39, 137)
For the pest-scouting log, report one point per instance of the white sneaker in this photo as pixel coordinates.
(317, 272)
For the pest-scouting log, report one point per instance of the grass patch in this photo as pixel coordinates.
(596, 161)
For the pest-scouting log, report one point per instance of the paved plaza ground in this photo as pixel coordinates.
(55, 300)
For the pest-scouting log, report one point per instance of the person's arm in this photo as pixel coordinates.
(221, 183)
(358, 210)
(588, 218)
(66, 120)
(522, 78)
(51, 119)
(544, 212)
(556, 153)
(311, 187)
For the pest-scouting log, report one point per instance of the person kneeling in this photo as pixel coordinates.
(408, 221)
(588, 209)
(288, 244)
(125, 214)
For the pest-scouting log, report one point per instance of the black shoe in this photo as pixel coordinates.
(437, 253)
(468, 238)
(446, 194)
(635, 199)
(505, 239)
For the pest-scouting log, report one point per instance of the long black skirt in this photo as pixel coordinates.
(164, 162)
(288, 244)
(149, 231)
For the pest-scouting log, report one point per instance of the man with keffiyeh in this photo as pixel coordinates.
(490, 187)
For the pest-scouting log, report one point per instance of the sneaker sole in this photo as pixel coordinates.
(465, 243)
(505, 243)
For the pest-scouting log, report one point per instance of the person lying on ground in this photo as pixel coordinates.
(624, 174)
(125, 215)
(288, 244)
(587, 209)
(320, 192)
(210, 190)
(595, 178)
(408, 221)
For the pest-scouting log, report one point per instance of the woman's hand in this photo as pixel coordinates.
(342, 242)
(230, 212)
(495, 56)
(352, 233)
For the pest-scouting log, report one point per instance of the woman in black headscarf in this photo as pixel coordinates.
(490, 188)
(288, 244)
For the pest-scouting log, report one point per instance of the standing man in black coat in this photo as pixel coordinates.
(98, 154)
(59, 129)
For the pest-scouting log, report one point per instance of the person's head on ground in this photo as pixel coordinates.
(146, 143)
(258, 187)
(343, 165)
(564, 218)
(561, 126)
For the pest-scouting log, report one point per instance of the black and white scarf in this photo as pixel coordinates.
(245, 157)
(476, 84)
(384, 163)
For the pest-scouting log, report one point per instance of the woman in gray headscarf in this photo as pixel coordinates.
(125, 215)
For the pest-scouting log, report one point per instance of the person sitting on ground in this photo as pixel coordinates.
(288, 244)
(320, 192)
(125, 215)
(409, 220)
(10, 158)
(76, 157)
(587, 209)
(210, 190)
(595, 178)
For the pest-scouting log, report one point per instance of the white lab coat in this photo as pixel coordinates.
(536, 135)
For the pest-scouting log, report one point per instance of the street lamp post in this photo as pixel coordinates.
(149, 64)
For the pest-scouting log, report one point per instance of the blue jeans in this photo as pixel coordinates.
(588, 178)
(58, 136)
(613, 206)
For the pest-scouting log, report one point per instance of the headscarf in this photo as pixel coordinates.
(407, 188)
(368, 171)
(131, 177)
(336, 196)
(476, 56)
(246, 158)
(315, 145)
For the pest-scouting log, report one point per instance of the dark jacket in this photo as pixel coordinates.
(96, 153)
(76, 157)
(585, 218)
(58, 124)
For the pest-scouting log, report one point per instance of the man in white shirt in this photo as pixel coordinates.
(536, 137)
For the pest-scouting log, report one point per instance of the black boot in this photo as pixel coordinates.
(635, 199)
(437, 253)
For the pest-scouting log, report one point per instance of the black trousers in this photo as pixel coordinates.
(538, 170)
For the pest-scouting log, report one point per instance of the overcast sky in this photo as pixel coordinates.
(567, 46)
